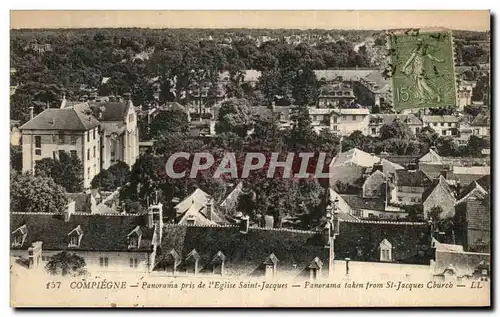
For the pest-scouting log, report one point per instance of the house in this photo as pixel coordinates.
(105, 242)
(340, 121)
(335, 95)
(410, 185)
(432, 164)
(441, 195)
(349, 166)
(372, 89)
(481, 125)
(378, 120)
(374, 185)
(473, 222)
(72, 130)
(372, 208)
(446, 125)
(464, 95)
(198, 209)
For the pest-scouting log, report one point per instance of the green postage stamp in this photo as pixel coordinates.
(423, 69)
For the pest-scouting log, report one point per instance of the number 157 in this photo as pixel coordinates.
(402, 94)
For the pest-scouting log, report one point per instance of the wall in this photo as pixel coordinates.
(118, 261)
(50, 143)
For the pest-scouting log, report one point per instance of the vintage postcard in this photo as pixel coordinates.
(250, 159)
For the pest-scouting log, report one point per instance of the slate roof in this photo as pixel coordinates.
(415, 178)
(471, 189)
(431, 158)
(389, 118)
(438, 119)
(100, 233)
(358, 202)
(74, 119)
(244, 252)
(410, 241)
(194, 206)
(111, 111)
(481, 120)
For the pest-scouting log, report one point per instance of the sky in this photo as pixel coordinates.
(368, 20)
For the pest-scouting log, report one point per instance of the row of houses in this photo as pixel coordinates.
(381, 189)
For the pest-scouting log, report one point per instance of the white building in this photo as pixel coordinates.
(340, 121)
(446, 125)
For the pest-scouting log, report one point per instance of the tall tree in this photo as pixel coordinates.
(67, 171)
(167, 122)
(36, 194)
(235, 115)
(66, 264)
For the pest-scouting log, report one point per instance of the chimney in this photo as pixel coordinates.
(70, 209)
(209, 209)
(35, 254)
(31, 112)
(244, 224)
(268, 222)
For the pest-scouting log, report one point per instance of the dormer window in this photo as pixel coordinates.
(134, 238)
(19, 236)
(385, 251)
(315, 268)
(218, 263)
(270, 266)
(191, 262)
(191, 220)
(75, 236)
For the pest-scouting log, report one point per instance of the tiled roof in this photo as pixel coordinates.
(401, 160)
(245, 252)
(431, 158)
(415, 178)
(62, 119)
(442, 184)
(355, 157)
(478, 213)
(100, 233)
(358, 202)
(360, 241)
(432, 170)
(195, 206)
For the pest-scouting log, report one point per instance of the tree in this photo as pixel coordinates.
(16, 158)
(235, 115)
(396, 129)
(167, 122)
(67, 171)
(104, 181)
(36, 194)
(476, 144)
(66, 264)
(305, 89)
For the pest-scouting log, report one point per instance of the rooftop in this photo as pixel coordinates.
(413, 178)
(73, 119)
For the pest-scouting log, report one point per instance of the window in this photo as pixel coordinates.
(343, 117)
(103, 262)
(88, 136)
(88, 172)
(88, 154)
(73, 241)
(60, 139)
(374, 131)
(73, 139)
(73, 153)
(435, 124)
(449, 124)
(93, 133)
(133, 262)
(38, 141)
(17, 240)
(61, 153)
(269, 270)
(400, 198)
(38, 152)
(133, 242)
(385, 255)
(353, 117)
(94, 151)
(442, 124)
(335, 128)
(443, 132)
(191, 221)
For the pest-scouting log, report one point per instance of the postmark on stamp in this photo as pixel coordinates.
(423, 69)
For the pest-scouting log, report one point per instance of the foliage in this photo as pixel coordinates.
(346, 188)
(235, 115)
(36, 194)
(66, 264)
(167, 122)
(16, 158)
(67, 171)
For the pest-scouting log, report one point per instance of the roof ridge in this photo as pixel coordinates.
(386, 222)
